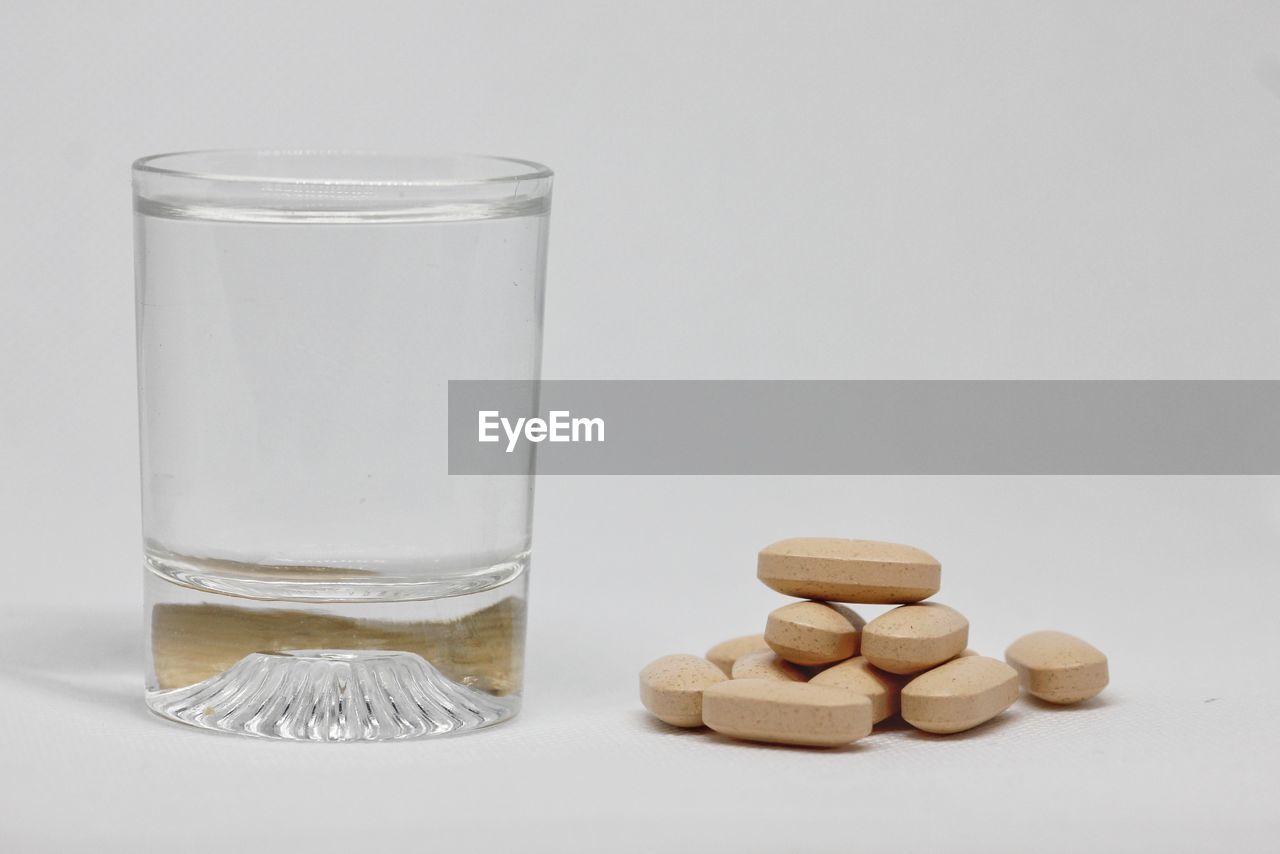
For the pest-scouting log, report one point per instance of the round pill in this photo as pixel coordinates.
(671, 688)
(913, 638)
(725, 653)
(883, 689)
(813, 632)
(849, 570)
(786, 712)
(1058, 667)
(959, 695)
(766, 664)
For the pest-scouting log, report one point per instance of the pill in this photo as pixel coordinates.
(912, 638)
(725, 653)
(786, 712)
(860, 676)
(849, 570)
(967, 653)
(671, 688)
(766, 664)
(813, 632)
(959, 695)
(1058, 667)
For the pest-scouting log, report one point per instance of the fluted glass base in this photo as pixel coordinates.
(331, 695)
(372, 667)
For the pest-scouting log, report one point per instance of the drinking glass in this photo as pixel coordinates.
(312, 570)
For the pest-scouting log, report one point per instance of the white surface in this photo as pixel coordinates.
(836, 190)
(1168, 576)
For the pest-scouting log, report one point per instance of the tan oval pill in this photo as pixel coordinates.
(959, 695)
(725, 653)
(813, 632)
(766, 664)
(1058, 667)
(786, 712)
(849, 570)
(913, 638)
(858, 675)
(671, 688)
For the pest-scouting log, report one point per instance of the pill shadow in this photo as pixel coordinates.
(1092, 704)
(893, 723)
(1012, 715)
(1003, 721)
(738, 744)
(653, 725)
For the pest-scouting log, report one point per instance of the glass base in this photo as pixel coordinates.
(331, 695)
(357, 670)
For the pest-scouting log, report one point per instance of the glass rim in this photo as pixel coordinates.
(337, 186)
(151, 163)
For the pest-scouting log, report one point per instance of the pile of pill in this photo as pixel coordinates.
(821, 676)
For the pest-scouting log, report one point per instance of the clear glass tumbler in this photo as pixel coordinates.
(313, 571)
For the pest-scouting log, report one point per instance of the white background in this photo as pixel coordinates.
(803, 190)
